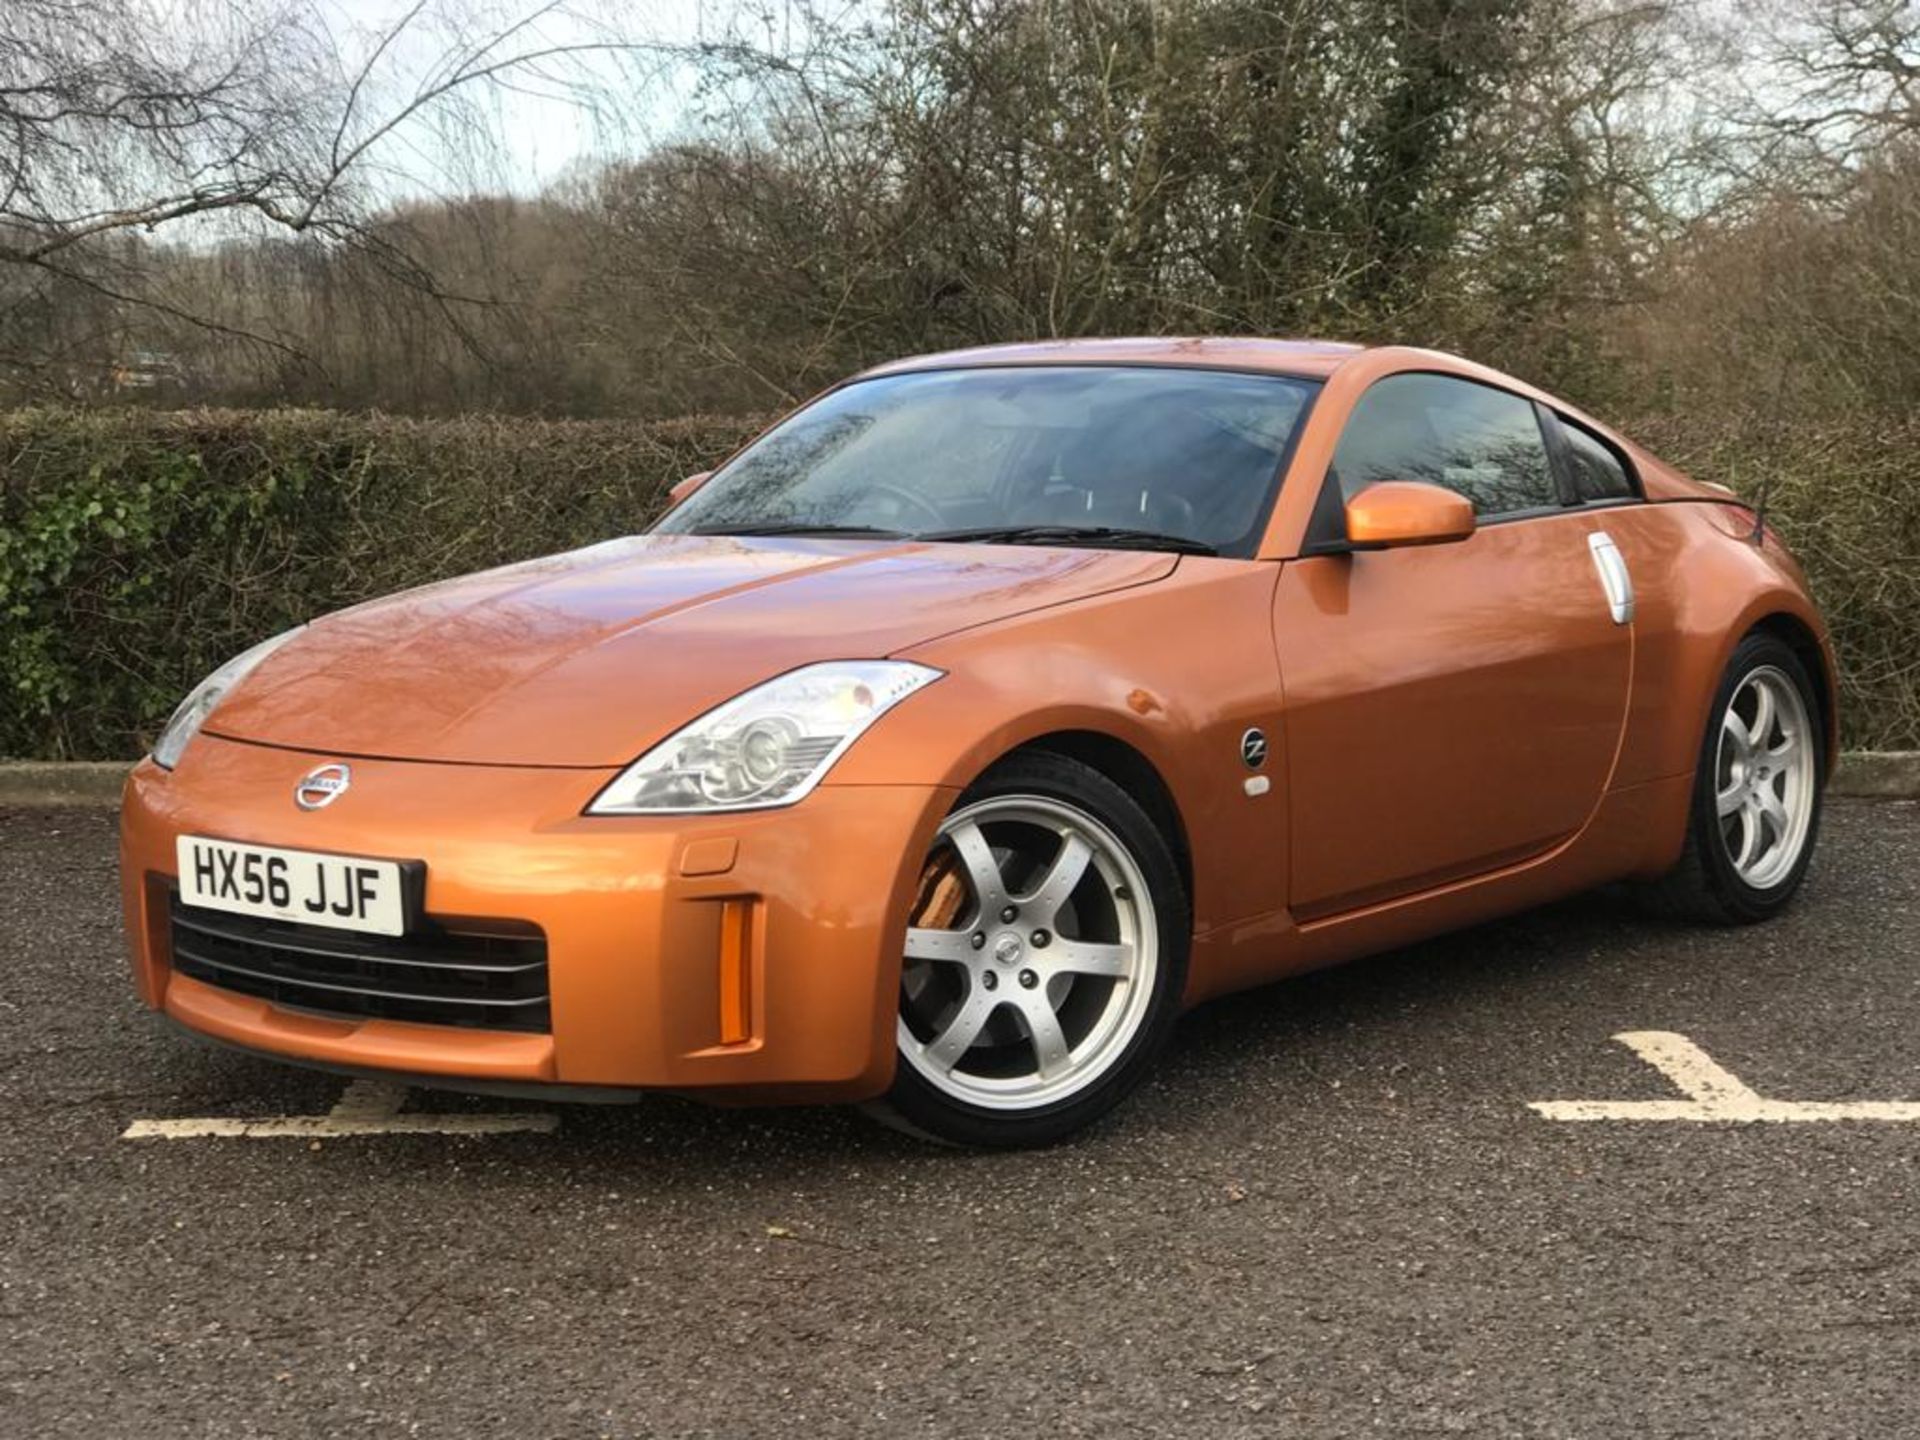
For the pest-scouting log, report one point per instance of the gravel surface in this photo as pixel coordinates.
(1331, 1214)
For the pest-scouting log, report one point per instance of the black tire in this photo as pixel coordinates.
(1704, 886)
(915, 1106)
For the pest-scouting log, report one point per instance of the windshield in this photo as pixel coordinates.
(1075, 454)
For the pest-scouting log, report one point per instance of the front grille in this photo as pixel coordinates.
(484, 975)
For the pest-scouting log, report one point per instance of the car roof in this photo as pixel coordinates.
(1318, 358)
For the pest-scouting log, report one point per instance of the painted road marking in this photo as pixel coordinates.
(369, 1107)
(1714, 1093)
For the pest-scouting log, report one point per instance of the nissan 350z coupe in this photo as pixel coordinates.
(943, 745)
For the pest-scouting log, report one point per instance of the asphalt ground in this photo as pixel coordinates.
(1331, 1214)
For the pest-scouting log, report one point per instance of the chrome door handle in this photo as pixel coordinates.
(1614, 578)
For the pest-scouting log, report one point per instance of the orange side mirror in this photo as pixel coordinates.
(1407, 512)
(686, 487)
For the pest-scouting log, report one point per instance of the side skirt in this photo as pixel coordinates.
(1634, 832)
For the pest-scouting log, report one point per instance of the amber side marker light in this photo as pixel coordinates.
(736, 971)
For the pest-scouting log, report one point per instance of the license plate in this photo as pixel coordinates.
(307, 887)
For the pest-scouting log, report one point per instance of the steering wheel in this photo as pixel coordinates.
(905, 499)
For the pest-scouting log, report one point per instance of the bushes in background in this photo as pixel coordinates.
(1845, 494)
(139, 550)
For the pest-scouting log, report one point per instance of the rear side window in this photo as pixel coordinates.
(1598, 472)
(1482, 443)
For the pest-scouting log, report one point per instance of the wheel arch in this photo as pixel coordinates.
(1791, 620)
(1814, 656)
(1131, 770)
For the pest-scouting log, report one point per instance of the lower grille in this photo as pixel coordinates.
(486, 975)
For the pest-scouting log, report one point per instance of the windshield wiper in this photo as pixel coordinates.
(1110, 536)
(799, 527)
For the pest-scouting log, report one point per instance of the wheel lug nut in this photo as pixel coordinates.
(1009, 914)
(1041, 939)
(978, 940)
(1028, 979)
(990, 980)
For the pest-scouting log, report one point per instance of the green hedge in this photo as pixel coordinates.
(139, 550)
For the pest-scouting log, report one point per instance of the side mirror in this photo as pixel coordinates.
(686, 487)
(1407, 512)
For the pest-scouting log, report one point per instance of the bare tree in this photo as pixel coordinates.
(1843, 76)
(967, 170)
(126, 122)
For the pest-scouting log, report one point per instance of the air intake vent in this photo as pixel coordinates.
(484, 975)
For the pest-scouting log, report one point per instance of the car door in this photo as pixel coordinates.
(1450, 708)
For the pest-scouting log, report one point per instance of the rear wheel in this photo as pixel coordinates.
(1757, 792)
(1044, 959)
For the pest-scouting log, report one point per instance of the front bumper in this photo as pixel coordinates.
(794, 1001)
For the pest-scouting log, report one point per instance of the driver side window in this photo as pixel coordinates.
(1479, 442)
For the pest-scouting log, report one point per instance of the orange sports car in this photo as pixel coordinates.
(944, 744)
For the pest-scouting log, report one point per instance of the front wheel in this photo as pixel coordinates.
(1044, 959)
(1757, 792)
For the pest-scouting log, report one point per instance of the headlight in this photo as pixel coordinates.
(767, 747)
(193, 711)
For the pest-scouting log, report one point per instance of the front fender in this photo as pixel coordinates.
(1178, 670)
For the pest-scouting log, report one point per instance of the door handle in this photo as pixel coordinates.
(1614, 578)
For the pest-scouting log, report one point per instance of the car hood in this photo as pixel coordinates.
(589, 658)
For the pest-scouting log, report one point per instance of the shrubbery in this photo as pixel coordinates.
(139, 550)
(1846, 496)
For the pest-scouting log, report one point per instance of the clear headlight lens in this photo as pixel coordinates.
(767, 747)
(201, 700)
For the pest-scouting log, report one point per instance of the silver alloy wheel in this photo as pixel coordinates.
(1765, 777)
(1033, 985)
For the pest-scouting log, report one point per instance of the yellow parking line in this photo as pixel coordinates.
(369, 1107)
(1714, 1094)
